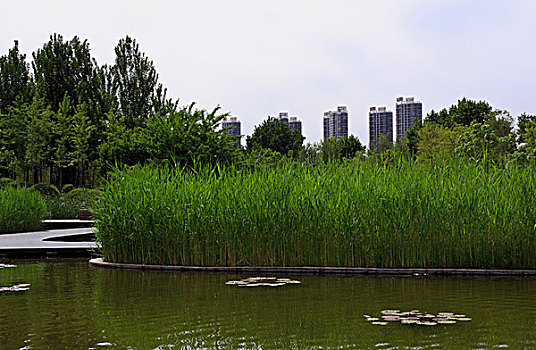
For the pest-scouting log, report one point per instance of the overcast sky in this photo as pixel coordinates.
(306, 57)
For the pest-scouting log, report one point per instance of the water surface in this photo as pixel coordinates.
(75, 306)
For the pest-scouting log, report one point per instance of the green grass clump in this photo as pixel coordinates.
(68, 205)
(354, 214)
(21, 210)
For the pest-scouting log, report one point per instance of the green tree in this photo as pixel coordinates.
(122, 145)
(187, 135)
(67, 67)
(439, 143)
(82, 130)
(61, 131)
(523, 122)
(37, 136)
(277, 136)
(337, 149)
(14, 78)
(481, 142)
(135, 84)
(464, 112)
(382, 145)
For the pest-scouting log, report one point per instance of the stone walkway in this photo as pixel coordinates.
(45, 242)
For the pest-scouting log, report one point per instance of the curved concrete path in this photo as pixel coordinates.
(14, 244)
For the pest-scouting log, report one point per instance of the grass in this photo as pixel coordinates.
(21, 210)
(354, 214)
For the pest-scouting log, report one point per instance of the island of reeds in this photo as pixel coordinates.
(353, 214)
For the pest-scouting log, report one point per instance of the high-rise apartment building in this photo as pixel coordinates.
(292, 122)
(295, 124)
(283, 116)
(234, 127)
(380, 123)
(336, 123)
(408, 111)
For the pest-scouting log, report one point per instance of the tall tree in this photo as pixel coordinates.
(14, 78)
(464, 112)
(66, 67)
(275, 135)
(135, 84)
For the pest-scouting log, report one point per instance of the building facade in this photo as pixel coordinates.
(408, 111)
(292, 122)
(336, 123)
(380, 123)
(234, 127)
(295, 124)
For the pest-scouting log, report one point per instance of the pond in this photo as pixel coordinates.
(73, 305)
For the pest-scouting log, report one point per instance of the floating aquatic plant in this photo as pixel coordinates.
(415, 317)
(4, 266)
(17, 288)
(262, 282)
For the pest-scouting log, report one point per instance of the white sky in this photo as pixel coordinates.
(306, 57)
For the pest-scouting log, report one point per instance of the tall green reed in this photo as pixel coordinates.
(352, 213)
(21, 210)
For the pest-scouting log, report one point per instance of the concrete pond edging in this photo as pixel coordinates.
(309, 270)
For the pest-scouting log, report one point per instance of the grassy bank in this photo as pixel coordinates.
(345, 214)
(20, 210)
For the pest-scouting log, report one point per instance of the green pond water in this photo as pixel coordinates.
(72, 305)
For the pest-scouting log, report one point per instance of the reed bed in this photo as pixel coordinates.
(21, 210)
(354, 214)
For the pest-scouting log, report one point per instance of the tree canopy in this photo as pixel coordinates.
(275, 135)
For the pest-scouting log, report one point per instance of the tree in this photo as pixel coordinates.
(337, 149)
(481, 142)
(82, 130)
(464, 112)
(37, 136)
(61, 131)
(135, 84)
(67, 67)
(14, 78)
(439, 143)
(383, 144)
(275, 135)
(523, 122)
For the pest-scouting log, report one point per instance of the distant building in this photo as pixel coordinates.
(234, 127)
(336, 123)
(283, 116)
(295, 124)
(380, 123)
(408, 111)
(292, 122)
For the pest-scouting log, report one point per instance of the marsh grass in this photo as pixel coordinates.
(21, 210)
(354, 214)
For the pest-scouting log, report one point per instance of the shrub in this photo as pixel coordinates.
(46, 189)
(68, 205)
(21, 210)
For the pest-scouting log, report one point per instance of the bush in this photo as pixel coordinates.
(46, 189)
(21, 210)
(69, 204)
(7, 182)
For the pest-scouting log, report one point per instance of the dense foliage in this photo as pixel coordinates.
(351, 213)
(275, 135)
(21, 210)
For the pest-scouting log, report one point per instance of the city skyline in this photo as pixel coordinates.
(252, 58)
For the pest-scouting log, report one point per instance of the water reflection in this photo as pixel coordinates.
(73, 305)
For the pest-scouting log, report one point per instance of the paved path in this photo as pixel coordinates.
(38, 241)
